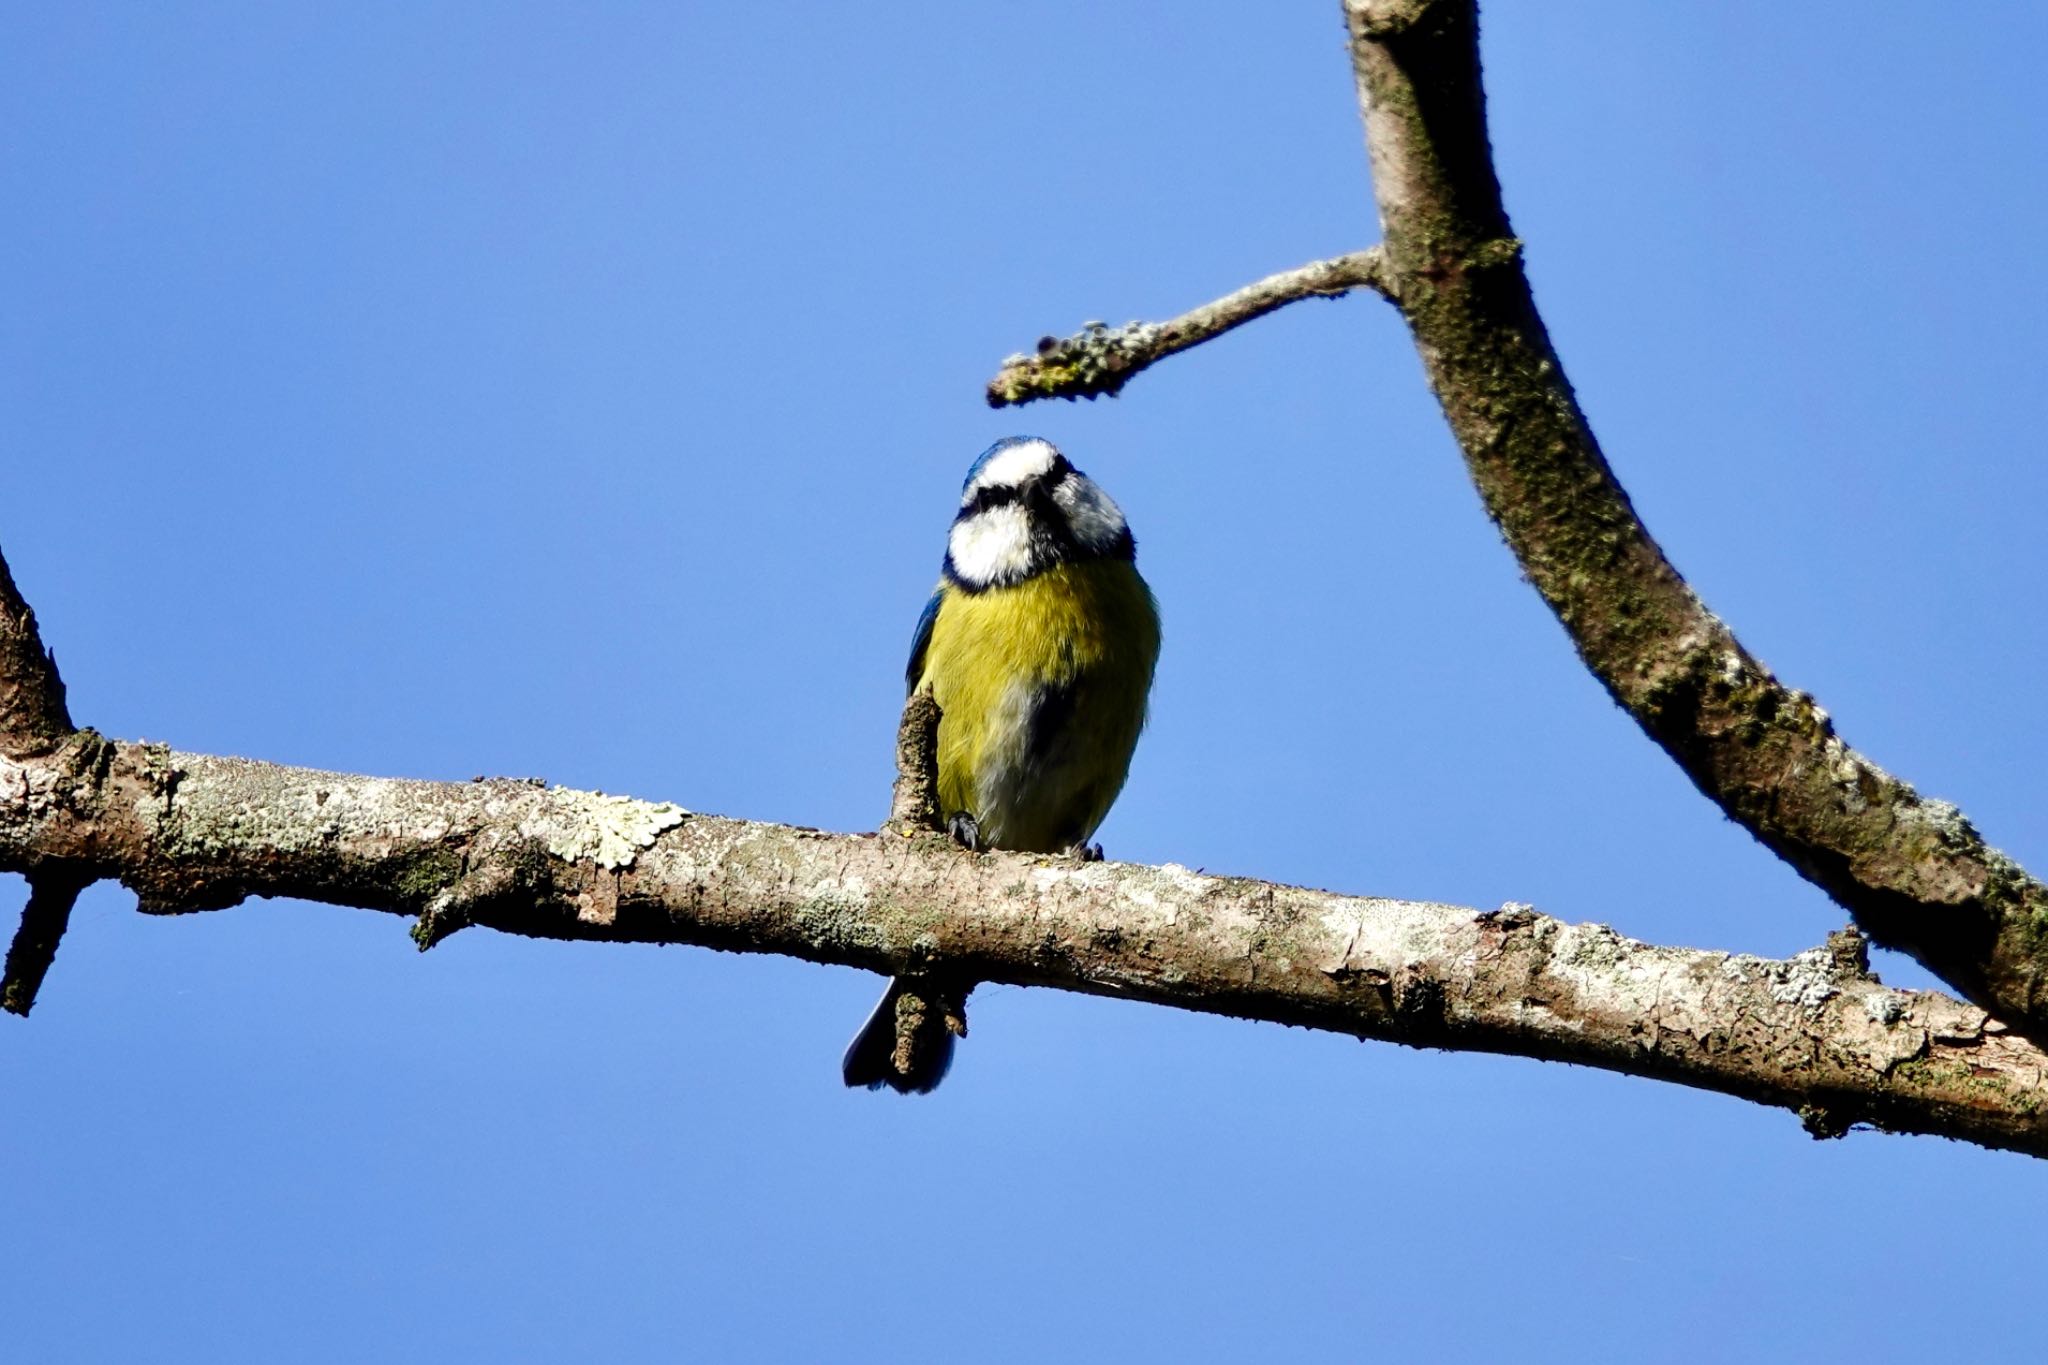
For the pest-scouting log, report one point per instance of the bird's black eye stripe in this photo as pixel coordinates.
(1001, 495)
(1004, 494)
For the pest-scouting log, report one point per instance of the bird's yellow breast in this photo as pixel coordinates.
(1041, 689)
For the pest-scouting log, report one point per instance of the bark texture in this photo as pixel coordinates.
(1815, 1034)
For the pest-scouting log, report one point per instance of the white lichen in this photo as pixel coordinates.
(1944, 818)
(578, 826)
(1621, 973)
(1806, 979)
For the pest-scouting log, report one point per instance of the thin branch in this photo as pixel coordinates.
(33, 718)
(1814, 1034)
(1100, 359)
(52, 891)
(1914, 873)
(914, 802)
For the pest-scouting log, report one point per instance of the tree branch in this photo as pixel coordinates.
(1101, 360)
(1814, 1034)
(1914, 873)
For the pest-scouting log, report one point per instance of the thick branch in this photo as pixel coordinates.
(1814, 1034)
(1100, 359)
(1914, 873)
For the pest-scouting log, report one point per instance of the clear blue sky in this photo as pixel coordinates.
(581, 391)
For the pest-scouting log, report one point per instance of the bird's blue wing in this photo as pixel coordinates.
(921, 641)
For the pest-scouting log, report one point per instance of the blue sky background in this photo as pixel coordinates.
(581, 391)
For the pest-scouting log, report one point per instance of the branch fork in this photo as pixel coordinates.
(1913, 873)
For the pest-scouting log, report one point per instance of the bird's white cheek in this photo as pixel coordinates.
(994, 546)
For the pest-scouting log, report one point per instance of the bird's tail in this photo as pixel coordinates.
(907, 1043)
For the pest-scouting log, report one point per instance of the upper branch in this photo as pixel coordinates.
(1815, 1034)
(1100, 359)
(1914, 873)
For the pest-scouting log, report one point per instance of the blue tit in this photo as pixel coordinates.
(1038, 646)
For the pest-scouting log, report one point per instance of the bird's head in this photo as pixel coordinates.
(1024, 509)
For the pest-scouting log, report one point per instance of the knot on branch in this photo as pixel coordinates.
(1826, 1121)
(1849, 952)
(453, 891)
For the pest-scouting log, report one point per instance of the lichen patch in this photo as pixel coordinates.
(579, 826)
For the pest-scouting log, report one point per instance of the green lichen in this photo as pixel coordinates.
(832, 920)
(426, 875)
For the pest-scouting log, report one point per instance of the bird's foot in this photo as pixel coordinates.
(1087, 853)
(965, 831)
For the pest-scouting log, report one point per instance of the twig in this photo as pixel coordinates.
(1100, 359)
(33, 718)
(914, 801)
(52, 891)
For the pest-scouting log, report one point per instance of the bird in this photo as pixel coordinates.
(1039, 646)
